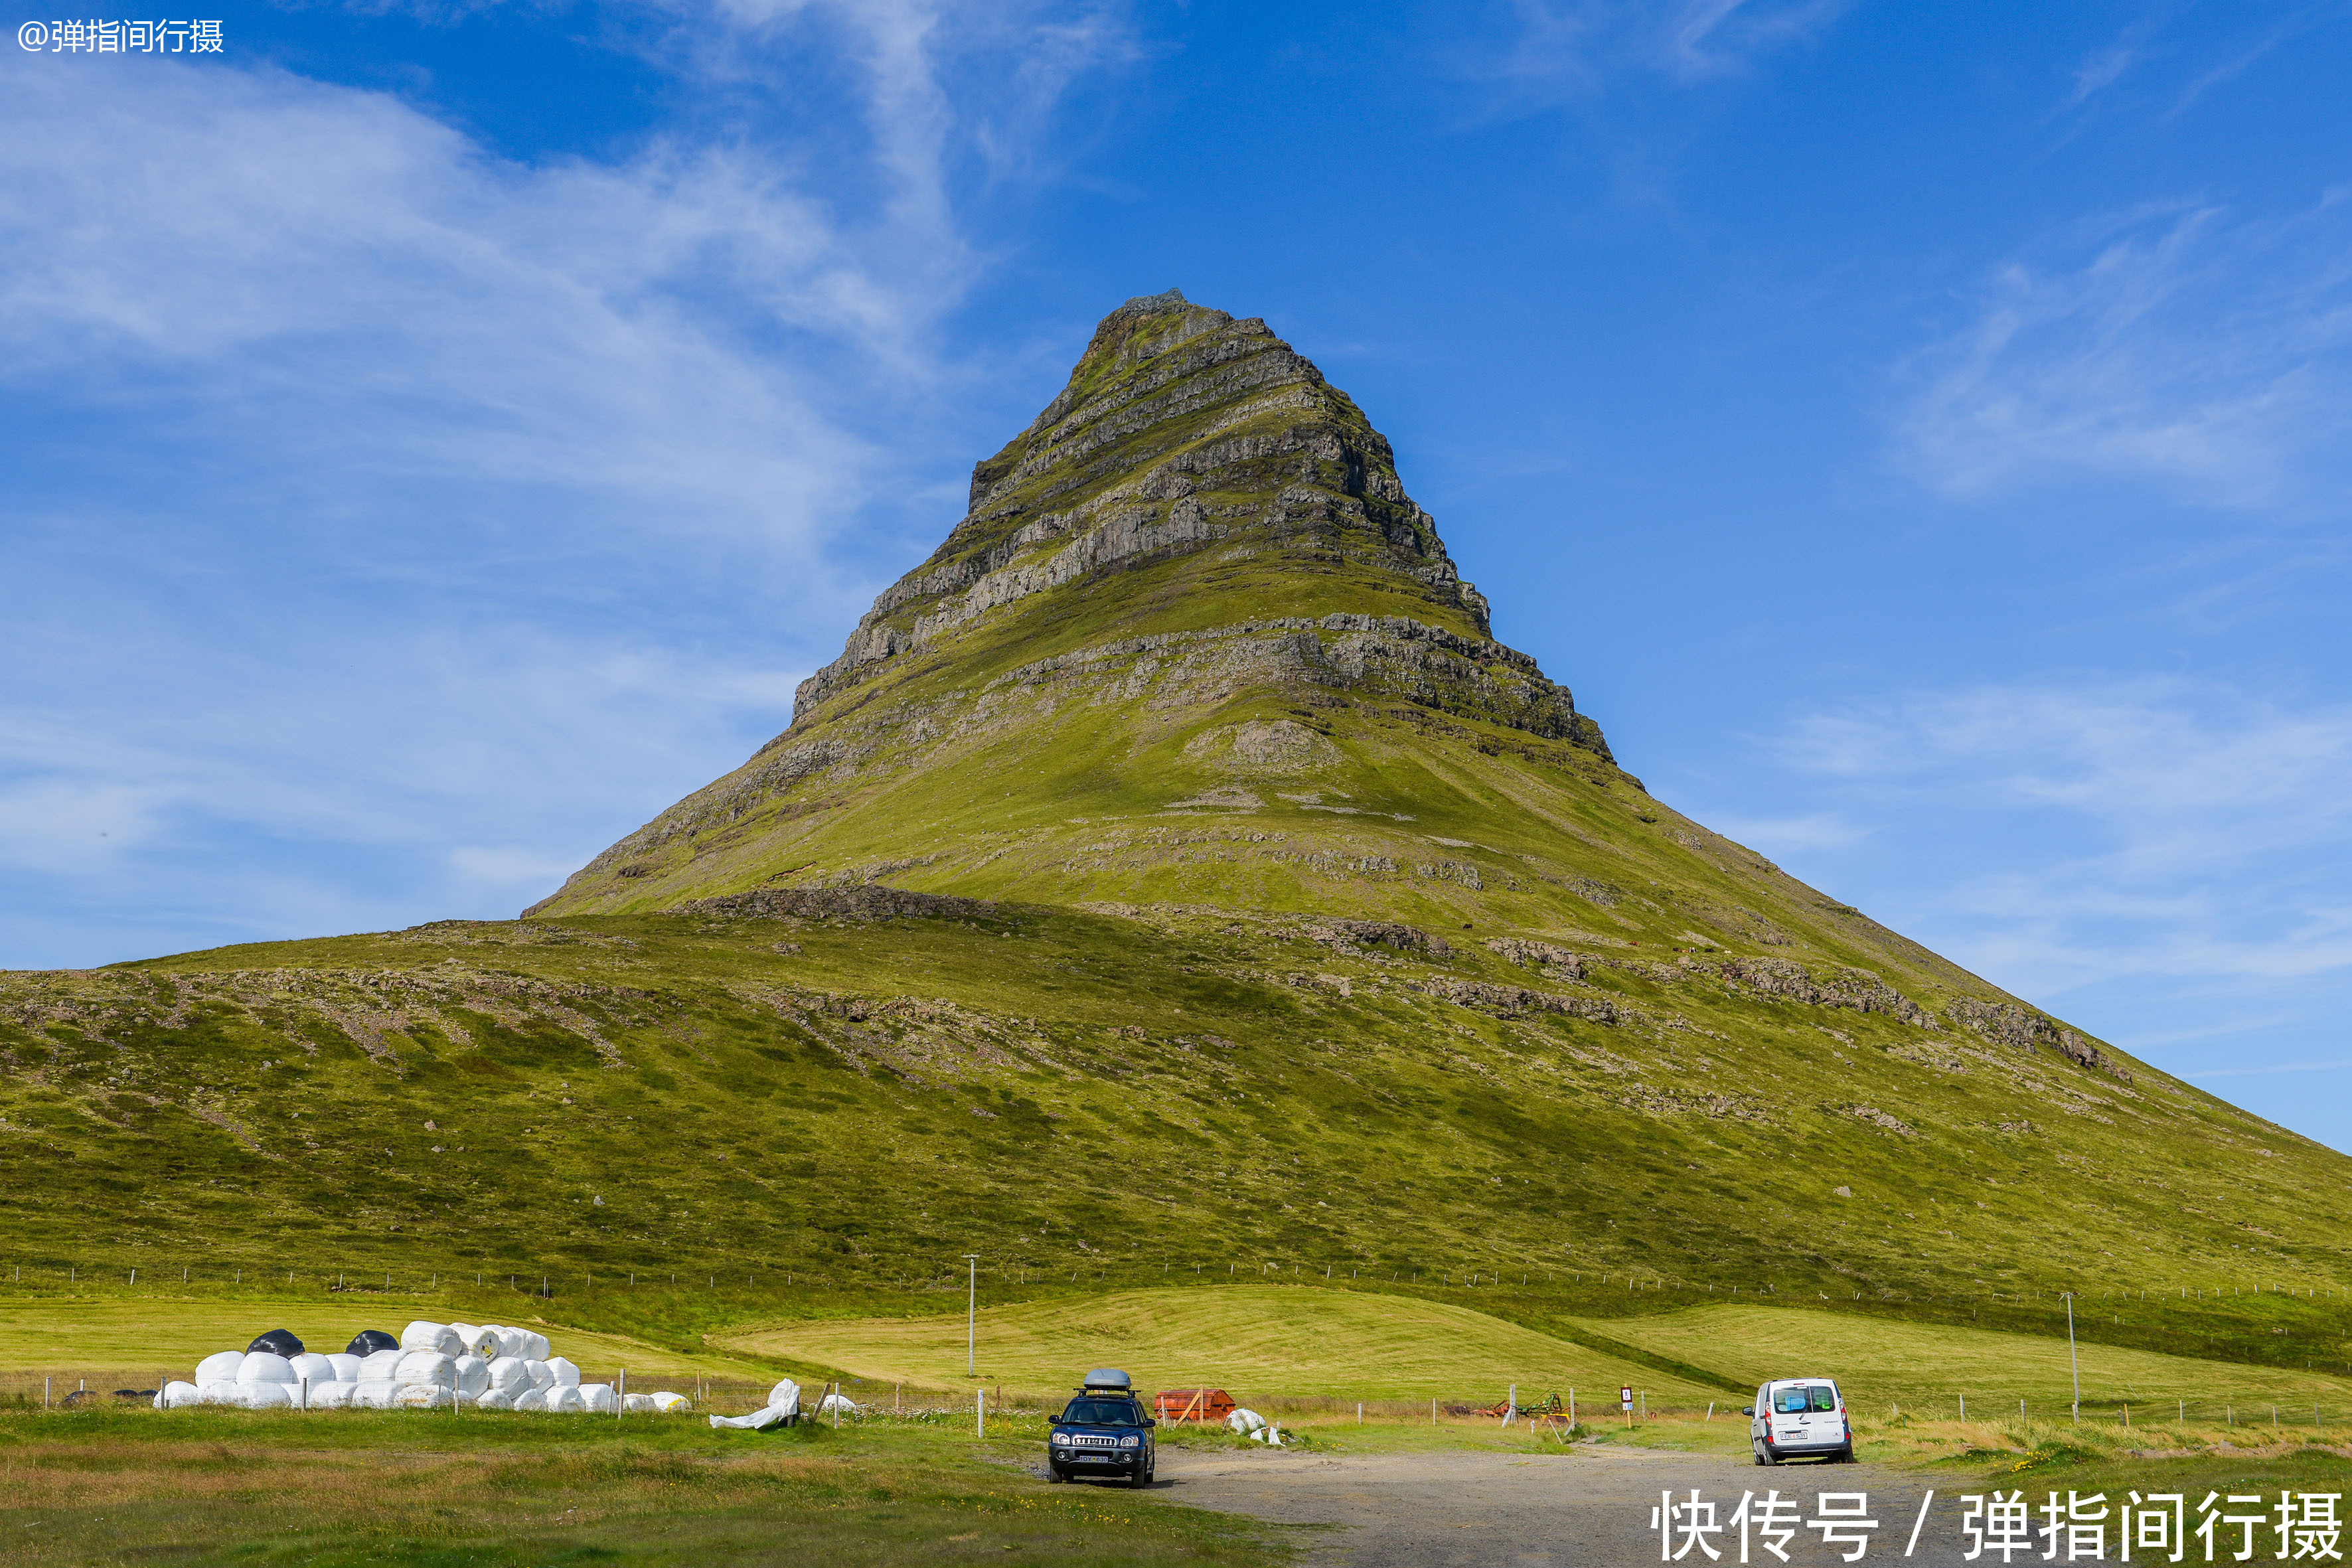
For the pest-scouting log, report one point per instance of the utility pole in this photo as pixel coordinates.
(971, 1318)
(2072, 1358)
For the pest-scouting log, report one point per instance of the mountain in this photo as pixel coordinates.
(1172, 870)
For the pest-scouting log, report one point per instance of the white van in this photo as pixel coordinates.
(1800, 1419)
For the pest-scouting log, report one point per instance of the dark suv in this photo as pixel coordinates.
(1103, 1432)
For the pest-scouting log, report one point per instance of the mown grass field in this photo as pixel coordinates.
(413, 1487)
(1294, 1341)
(1929, 1367)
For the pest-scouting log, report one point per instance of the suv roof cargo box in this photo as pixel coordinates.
(1109, 1380)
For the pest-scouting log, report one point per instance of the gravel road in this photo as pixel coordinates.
(1590, 1507)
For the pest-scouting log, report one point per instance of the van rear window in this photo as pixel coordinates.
(1825, 1396)
(1800, 1398)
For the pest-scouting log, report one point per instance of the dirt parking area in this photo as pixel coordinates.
(1589, 1507)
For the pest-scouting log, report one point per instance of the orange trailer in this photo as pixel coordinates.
(1192, 1405)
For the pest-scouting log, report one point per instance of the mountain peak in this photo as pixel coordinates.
(1197, 566)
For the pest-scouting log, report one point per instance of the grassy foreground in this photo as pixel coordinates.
(412, 1488)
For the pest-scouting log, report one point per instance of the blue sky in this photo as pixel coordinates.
(439, 435)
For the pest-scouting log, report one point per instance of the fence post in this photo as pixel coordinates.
(980, 1409)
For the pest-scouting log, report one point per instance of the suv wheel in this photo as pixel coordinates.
(1055, 1474)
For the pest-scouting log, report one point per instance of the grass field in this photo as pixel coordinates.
(1259, 1340)
(1880, 1361)
(204, 1487)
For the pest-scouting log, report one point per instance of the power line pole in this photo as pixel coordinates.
(971, 1318)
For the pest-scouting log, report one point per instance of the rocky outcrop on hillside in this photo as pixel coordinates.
(2014, 1025)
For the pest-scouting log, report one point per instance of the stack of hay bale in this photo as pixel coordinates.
(430, 1365)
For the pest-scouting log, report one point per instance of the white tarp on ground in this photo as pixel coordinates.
(785, 1397)
(758, 1421)
(260, 1367)
(599, 1397)
(221, 1368)
(1246, 1422)
(564, 1372)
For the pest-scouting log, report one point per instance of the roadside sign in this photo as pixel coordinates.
(1625, 1397)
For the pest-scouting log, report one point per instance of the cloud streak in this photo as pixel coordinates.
(2202, 353)
(397, 523)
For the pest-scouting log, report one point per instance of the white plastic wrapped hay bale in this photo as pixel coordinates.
(471, 1336)
(536, 1347)
(219, 1391)
(564, 1373)
(638, 1404)
(374, 1394)
(511, 1341)
(832, 1403)
(332, 1395)
(598, 1398)
(177, 1395)
(564, 1398)
(313, 1368)
(530, 1399)
(266, 1396)
(262, 1366)
(424, 1336)
(666, 1402)
(494, 1399)
(509, 1375)
(219, 1368)
(542, 1375)
(473, 1374)
(376, 1366)
(347, 1368)
(425, 1369)
(419, 1396)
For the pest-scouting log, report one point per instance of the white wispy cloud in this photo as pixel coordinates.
(1580, 44)
(405, 522)
(2199, 350)
(2156, 827)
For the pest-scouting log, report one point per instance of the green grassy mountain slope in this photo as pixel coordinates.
(1172, 874)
